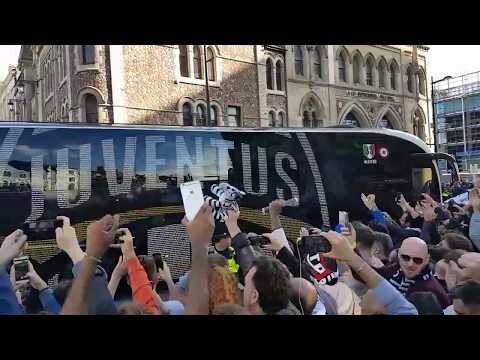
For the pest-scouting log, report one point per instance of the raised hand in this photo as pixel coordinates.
(12, 246)
(429, 200)
(66, 238)
(304, 232)
(126, 239)
(200, 229)
(369, 202)
(428, 210)
(101, 234)
(350, 234)
(277, 242)
(276, 207)
(341, 249)
(35, 280)
(120, 269)
(232, 217)
(165, 274)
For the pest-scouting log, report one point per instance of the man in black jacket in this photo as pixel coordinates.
(267, 280)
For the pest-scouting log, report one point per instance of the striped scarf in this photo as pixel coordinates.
(402, 284)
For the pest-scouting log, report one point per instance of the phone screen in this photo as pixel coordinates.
(192, 196)
(42, 229)
(21, 267)
(343, 218)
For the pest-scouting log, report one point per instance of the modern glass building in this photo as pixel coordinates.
(457, 109)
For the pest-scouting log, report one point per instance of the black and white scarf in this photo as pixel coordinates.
(402, 284)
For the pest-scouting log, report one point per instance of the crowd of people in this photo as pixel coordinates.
(423, 261)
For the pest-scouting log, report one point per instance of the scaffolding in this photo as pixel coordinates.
(457, 113)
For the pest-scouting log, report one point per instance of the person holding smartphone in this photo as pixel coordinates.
(382, 297)
(12, 246)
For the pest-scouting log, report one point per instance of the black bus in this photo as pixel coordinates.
(86, 171)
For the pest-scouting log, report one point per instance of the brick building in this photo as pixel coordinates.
(149, 84)
(248, 85)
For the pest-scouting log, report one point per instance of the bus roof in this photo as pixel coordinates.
(395, 133)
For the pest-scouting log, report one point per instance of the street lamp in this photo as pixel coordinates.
(448, 77)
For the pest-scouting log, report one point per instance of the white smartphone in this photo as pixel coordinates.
(364, 197)
(192, 196)
(343, 218)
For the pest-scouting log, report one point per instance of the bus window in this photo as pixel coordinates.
(421, 177)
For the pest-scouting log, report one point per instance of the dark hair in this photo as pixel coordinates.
(31, 300)
(425, 302)
(385, 240)
(61, 291)
(468, 292)
(272, 281)
(148, 263)
(453, 255)
(365, 235)
(220, 232)
(436, 252)
(457, 241)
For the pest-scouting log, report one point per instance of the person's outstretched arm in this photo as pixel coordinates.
(11, 247)
(45, 294)
(275, 208)
(200, 232)
(244, 253)
(100, 235)
(117, 274)
(394, 302)
(141, 287)
(166, 276)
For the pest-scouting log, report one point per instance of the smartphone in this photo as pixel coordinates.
(343, 218)
(21, 267)
(398, 196)
(118, 235)
(192, 196)
(311, 245)
(364, 197)
(259, 240)
(158, 260)
(42, 229)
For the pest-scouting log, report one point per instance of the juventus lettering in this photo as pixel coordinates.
(194, 157)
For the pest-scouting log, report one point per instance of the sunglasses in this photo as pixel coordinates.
(416, 260)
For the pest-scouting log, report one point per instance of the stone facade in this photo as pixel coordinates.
(316, 86)
(6, 93)
(271, 85)
(56, 83)
(156, 91)
(139, 83)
